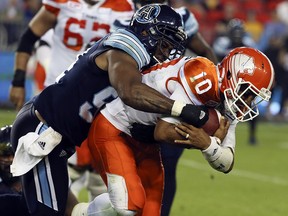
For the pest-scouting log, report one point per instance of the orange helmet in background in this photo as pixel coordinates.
(245, 71)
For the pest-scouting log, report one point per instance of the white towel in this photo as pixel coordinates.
(31, 148)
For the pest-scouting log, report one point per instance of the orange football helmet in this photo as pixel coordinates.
(246, 78)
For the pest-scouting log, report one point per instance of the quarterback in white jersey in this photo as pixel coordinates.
(78, 23)
(170, 80)
(129, 167)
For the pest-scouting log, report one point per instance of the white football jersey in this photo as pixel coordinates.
(79, 23)
(168, 78)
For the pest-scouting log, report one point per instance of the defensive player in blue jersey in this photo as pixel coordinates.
(49, 126)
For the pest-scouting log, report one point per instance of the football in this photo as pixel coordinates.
(213, 122)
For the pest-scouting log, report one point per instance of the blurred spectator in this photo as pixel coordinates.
(11, 16)
(272, 43)
(273, 28)
(31, 7)
(235, 36)
(283, 79)
(253, 26)
(282, 11)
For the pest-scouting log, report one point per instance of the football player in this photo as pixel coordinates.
(195, 41)
(50, 125)
(74, 24)
(170, 155)
(197, 45)
(132, 169)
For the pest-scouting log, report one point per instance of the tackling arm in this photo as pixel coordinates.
(125, 77)
(127, 80)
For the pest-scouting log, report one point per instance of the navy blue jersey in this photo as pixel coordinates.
(69, 105)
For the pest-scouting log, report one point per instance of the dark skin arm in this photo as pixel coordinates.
(40, 24)
(175, 134)
(125, 77)
(199, 46)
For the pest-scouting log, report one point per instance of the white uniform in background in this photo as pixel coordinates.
(79, 23)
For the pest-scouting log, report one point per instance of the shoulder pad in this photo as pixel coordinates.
(199, 78)
(126, 41)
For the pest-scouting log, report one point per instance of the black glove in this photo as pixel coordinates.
(195, 115)
(143, 133)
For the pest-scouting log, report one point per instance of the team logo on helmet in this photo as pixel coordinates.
(247, 65)
(147, 13)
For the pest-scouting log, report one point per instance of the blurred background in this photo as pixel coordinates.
(258, 184)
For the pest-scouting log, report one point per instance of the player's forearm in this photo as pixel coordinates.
(20, 66)
(21, 60)
(23, 53)
(146, 99)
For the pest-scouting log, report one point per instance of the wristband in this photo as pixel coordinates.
(19, 78)
(177, 108)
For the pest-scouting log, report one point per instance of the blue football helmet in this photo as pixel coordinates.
(160, 28)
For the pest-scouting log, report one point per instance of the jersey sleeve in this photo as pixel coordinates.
(126, 41)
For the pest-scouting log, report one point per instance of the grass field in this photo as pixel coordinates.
(257, 186)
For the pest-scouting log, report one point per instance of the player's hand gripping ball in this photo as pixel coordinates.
(213, 122)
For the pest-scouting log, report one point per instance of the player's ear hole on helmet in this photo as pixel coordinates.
(228, 75)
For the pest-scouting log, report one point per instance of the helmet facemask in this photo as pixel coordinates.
(246, 77)
(166, 43)
(242, 102)
(161, 30)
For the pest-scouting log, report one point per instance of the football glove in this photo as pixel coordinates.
(143, 133)
(195, 115)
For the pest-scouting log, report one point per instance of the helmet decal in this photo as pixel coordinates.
(147, 13)
(247, 64)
